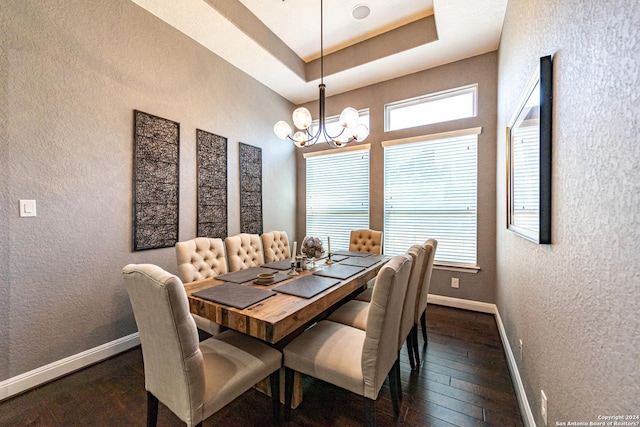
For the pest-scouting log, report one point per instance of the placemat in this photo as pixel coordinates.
(284, 264)
(352, 253)
(277, 278)
(307, 286)
(339, 271)
(362, 262)
(338, 258)
(245, 275)
(234, 295)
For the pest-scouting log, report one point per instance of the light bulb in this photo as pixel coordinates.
(349, 117)
(282, 129)
(300, 139)
(302, 118)
(360, 132)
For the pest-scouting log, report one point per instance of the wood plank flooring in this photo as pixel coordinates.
(463, 380)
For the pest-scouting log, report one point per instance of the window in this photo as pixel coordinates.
(337, 193)
(433, 108)
(430, 191)
(334, 128)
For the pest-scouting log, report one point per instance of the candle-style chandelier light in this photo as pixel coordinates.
(351, 130)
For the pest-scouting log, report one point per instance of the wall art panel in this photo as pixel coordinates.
(212, 184)
(250, 189)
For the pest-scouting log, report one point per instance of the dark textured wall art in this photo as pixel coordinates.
(250, 189)
(156, 155)
(212, 184)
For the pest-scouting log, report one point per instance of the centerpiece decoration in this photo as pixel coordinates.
(312, 247)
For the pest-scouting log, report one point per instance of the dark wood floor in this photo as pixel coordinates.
(463, 381)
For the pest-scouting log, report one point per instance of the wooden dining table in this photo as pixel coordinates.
(282, 316)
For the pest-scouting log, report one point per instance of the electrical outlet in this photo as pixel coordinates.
(520, 346)
(455, 282)
(543, 406)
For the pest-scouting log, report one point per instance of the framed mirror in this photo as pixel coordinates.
(529, 159)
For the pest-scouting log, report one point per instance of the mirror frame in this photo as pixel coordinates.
(542, 77)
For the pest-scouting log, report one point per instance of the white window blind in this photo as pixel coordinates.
(526, 160)
(430, 191)
(337, 195)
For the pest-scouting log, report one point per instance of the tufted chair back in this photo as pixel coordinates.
(244, 251)
(200, 258)
(366, 240)
(276, 246)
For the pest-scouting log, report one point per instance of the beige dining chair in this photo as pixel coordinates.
(355, 312)
(351, 358)
(201, 258)
(430, 247)
(192, 379)
(275, 245)
(366, 240)
(244, 251)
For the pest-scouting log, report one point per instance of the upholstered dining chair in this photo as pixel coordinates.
(244, 251)
(201, 258)
(355, 359)
(366, 240)
(355, 312)
(193, 379)
(275, 245)
(430, 247)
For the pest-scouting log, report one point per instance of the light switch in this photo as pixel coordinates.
(27, 208)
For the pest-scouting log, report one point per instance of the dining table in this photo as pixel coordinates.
(285, 307)
(279, 311)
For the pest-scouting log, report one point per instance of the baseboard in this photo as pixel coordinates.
(485, 307)
(523, 402)
(466, 304)
(44, 374)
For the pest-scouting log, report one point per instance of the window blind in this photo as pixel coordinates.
(430, 191)
(337, 195)
(526, 160)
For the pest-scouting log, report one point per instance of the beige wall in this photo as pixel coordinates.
(576, 303)
(480, 69)
(71, 73)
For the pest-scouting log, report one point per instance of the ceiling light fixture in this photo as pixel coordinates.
(352, 131)
(361, 11)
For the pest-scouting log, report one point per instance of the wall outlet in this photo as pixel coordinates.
(520, 348)
(455, 282)
(543, 406)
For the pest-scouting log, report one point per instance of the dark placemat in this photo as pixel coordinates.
(245, 275)
(352, 253)
(339, 271)
(338, 258)
(279, 277)
(307, 286)
(284, 264)
(362, 262)
(234, 295)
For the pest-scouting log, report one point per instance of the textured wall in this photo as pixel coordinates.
(481, 69)
(72, 72)
(576, 303)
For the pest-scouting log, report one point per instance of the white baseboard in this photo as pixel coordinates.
(44, 374)
(485, 307)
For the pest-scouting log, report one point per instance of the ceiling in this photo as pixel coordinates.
(277, 42)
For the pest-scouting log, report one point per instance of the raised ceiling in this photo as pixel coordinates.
(277, 42)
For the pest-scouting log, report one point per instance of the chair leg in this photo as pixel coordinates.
(396, 369)
(274, 379)
(393, 387)
(370, 412)
(414, 344)
(412, 360)
(152, 410)
(288, 392)
(423, 323)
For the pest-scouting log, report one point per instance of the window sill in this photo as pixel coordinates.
(457, 267)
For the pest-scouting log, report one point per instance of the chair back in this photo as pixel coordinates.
(366, 240)
(244, 251)
(417, 254)
(380, 349)
(275, 245)
(430, 247)
(200, 258)
(173, 363)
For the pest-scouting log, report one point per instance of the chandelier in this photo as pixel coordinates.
(351, 130)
